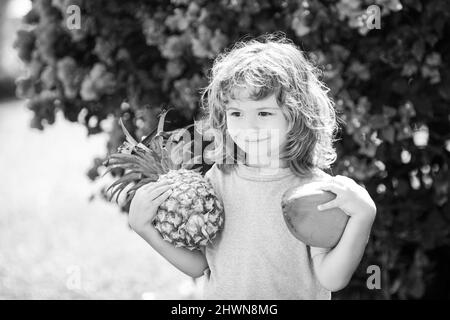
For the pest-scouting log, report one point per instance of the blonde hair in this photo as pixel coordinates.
(273, 64)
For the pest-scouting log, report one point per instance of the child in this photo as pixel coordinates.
(265, 101)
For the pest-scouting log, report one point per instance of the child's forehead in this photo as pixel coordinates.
(241, 100)
(241, 93)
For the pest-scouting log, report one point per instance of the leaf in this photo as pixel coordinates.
(388, 134)
(369, 150)
(128, 136)
(418, 49)
(389, 112)
(378, 121)
(123, 181)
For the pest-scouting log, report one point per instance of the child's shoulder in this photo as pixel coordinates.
(318, 175)
(212, 171)
(214, 174)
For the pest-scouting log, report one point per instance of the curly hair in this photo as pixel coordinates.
(273, 64)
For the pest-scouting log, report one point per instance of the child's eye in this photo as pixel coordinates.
(264, 114)
(235, 114)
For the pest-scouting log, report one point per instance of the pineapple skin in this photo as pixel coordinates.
(192, 215)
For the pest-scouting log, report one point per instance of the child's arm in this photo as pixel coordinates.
(335, 268)
(192, 263)
(143, 208)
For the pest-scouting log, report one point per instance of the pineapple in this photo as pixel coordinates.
(192, 215)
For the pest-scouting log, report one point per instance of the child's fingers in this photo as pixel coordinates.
(159, 190)
(328, 205)
(331, 204)
(161, 198)
(331, 186)
(149, 187)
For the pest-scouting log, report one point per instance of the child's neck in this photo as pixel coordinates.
(275, 164)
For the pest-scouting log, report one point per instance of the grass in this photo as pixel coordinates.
(54, 243)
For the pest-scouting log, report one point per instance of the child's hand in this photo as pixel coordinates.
(145, 204)
(352, 198)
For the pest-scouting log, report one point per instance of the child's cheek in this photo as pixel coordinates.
(232, 127)
(233, 134)
(277, 137)
(237, 129)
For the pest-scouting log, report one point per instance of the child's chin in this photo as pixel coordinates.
(262, 143)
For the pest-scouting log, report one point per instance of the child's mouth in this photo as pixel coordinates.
(256, 140)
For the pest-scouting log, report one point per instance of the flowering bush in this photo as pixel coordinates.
(391, 85)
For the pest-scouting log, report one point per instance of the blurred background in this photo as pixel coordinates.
(69, 69)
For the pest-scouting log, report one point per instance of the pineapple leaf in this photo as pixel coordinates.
(117, 192)
(141, 183)
(193, 161)
(125, 166)
(125, 158)
(176, 154)
(141, 162)
(128, 136)
(165, 161)
(190, 159)
(120, 165)
(124, 181)
(156, 146)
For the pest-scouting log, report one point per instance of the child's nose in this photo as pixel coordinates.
(253, 126)
(252, 123)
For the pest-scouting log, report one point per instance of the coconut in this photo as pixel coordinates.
(306, 223)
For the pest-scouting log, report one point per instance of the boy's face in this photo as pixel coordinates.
(258, 127)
